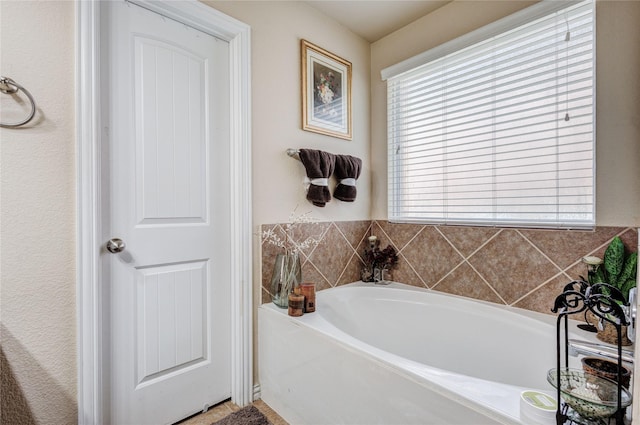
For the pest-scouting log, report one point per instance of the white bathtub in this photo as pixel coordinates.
(401, 355)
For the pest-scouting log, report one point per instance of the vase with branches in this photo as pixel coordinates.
(287, 272)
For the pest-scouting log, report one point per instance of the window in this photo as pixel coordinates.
(497, 127)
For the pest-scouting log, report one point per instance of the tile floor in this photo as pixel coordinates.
(224, 409)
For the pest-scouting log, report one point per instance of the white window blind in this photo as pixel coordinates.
(501, 130)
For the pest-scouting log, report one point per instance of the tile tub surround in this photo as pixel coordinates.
(525, 268)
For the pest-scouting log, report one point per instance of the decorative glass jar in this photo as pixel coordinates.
(287, 274)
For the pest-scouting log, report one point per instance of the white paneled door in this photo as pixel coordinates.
(167, 128)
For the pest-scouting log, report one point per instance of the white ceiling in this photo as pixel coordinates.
(374, 19)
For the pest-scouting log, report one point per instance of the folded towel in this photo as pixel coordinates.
(319, 166)
(347, 171)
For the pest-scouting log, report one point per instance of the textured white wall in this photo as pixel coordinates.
(37, 217)
(617, 95)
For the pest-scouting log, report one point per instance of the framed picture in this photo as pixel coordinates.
(326, 92)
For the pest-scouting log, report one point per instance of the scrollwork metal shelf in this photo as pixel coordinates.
(608, 304)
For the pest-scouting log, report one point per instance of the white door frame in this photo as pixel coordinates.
(92, 352)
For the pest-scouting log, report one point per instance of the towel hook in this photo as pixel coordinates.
(8, 86)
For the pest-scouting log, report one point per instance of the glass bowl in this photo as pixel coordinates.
(589, 395)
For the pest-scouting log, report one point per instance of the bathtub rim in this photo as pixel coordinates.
(543, 317)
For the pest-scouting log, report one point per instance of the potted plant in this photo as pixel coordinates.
(618, 270)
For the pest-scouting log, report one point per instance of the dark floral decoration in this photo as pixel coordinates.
(376, 259)
(381, 259)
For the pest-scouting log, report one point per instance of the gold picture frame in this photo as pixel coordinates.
(326, 92)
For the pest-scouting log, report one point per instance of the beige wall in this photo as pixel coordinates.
(617, 95)
(37, 229)
(618, 113)
(276, 30)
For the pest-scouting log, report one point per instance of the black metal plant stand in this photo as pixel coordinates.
(604, 301)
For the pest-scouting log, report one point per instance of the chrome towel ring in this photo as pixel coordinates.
(8, 86)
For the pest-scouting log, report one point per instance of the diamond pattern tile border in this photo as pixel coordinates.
(521, 267)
